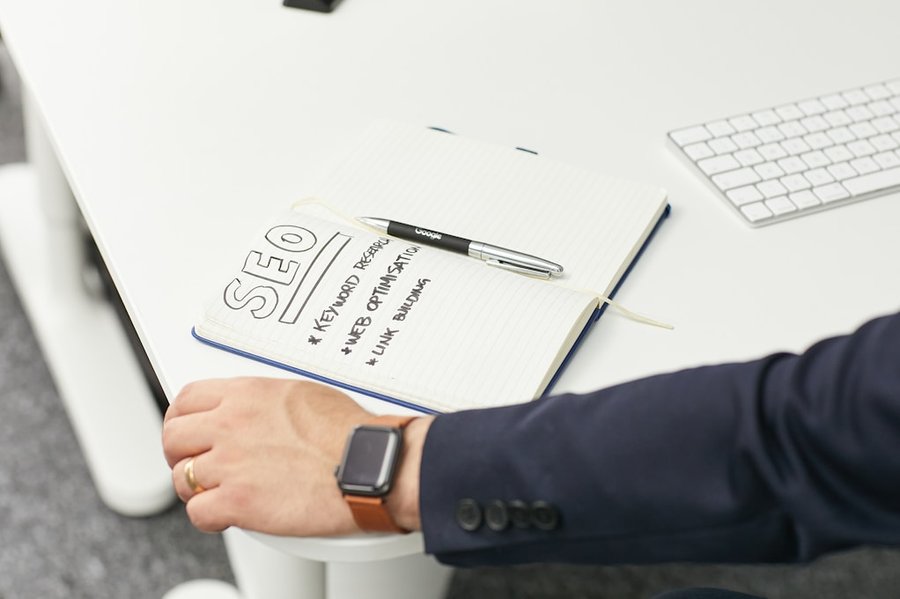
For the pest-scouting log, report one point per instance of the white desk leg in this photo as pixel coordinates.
(262, 572)
(203, 589)
(411, 577)
(112, 411)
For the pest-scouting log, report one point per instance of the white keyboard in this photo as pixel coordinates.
(802, 157)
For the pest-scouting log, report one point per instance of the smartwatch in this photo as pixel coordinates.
(366, 472)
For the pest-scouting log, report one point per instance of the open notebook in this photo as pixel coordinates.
(320, 295)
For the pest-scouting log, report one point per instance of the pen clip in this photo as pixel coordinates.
(520, 268)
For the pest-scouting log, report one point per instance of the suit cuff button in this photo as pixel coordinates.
(519, 513)
(496, 515)
(544, 516)
(468, 514)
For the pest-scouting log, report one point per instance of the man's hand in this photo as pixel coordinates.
(265, 451)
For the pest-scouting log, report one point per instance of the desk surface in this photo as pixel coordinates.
(183, 126)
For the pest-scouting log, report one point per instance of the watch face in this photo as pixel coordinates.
(369, 460)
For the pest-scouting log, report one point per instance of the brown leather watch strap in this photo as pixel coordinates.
(371, 513)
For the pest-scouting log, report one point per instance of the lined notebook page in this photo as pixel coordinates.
(590, 223)
(417, 324)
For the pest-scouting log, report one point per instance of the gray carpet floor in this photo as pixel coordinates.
(58, 541)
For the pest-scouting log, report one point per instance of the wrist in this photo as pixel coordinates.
(403, 500)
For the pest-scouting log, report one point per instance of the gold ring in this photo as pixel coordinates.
(190, 478)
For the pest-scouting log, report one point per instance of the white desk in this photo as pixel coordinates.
(181, 125)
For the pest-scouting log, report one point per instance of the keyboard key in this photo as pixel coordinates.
(811, 107)
(894, 86)
(856, 96)
(748, 157)
(738, 178)
(882, 143)
(743, 123)
(818, 176)
(792, 129)
(780, 205)
(841, 171)
(887, 160)
(720, 128)
(795, 145)
(718, 164)
(859, 113)
(831, 193)
(790, 112)
(837, 118)
(863, 130)
(881, 108)
(874, 181)
(804, 199)
(834, 102)
(817, 141)
(756, 212)
(839, 153)
(795, 182)
(815, 123)
(690, 135)
(698, 151)
(840, 135)
(877, 92)
(746, 139)
(771, 151)
(766, 118)
(861, 148)
(769, 170)
(771, 189)
(744, 195)
(723, 145)
(769, 134)
(815, 159)
(885, 124)
(792, 165)
(864, 166)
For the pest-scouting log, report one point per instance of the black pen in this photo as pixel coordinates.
(495, 256)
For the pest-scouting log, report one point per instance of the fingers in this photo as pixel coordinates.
(207, 511)
(205, 500)
(199, 396)
(188, 435)
(203, 474)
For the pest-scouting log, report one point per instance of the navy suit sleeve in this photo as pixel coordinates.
(779, 459)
